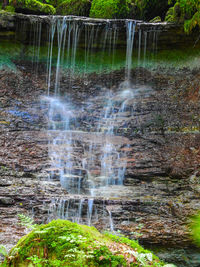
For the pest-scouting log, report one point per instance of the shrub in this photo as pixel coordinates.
(10, 9)
(185, 11)
(74, 7)
(33, 6)
(109, 9)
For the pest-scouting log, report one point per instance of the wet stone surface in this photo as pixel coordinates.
(158, 130)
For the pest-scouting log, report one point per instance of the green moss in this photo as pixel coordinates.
(187, 12)
(33, 6)
(74, 7)
(109, 9)
(156, 19)
(195, 229)
(54, 3)
(63, 243)
(10, 9)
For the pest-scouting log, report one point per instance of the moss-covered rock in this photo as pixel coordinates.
(74, 7)
(156, 19)
(32, 7)
(109, 9)
(195, 229)
(63, 243)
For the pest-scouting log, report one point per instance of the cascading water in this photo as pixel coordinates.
(87, 154)
(129, 50)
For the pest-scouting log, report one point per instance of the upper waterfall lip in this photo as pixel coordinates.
(88, 20)
(9, 21)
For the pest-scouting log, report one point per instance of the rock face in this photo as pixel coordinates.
(157, 133)
(161, 180)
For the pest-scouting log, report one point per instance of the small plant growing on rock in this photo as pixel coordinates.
(27, 222)
(3, 251)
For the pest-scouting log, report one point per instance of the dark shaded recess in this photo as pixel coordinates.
(28, 11)
(153, 9)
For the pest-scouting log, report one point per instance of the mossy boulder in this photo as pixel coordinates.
(63, 243)
(74, 7)
(109, 9)
(32, 7)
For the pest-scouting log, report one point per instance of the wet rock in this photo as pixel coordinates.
(162, 173)
(5, 182)
(6, 201)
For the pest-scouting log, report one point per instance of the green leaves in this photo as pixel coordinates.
(187, 11)
(27, 222)
(109, 9)
(3, 251)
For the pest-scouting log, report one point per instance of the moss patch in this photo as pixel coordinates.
(195, 229)
(74, 7)
(33, 6)
(63, 243)
(109, 9)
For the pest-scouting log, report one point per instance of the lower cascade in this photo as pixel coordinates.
(93, 162)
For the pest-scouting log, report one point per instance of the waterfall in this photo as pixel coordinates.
(87, 153)
(64, 35)
(64, 28)
(129, 48)
(36, 42)
(72, 163)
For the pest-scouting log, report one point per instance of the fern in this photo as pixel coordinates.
(27, 222)
(192, 23)
(3, 251)
(189, 13)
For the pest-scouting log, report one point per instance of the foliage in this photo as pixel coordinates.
(152, 8)
(10, 9)
(74, 7)
(187, 11)
(109, 9)
(63, 243)
(27, 222)
(54, 3)
(3, 251)
(33, 6)
(195, 228)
